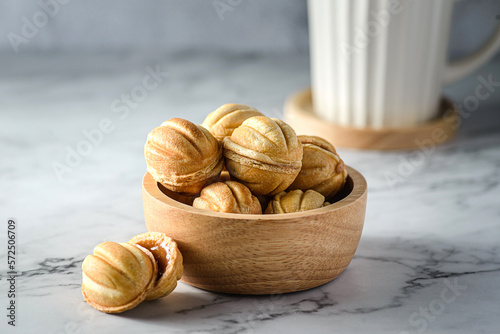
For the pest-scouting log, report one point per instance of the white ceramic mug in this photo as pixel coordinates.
(382, 63)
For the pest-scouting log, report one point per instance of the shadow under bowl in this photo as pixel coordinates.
(261, 254)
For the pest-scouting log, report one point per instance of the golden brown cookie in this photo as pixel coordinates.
(295, 201)
(167, 257)
(322, 169)
(183, 157)
(117, 277)
(222, 122)
(230, 197)
(263, 154)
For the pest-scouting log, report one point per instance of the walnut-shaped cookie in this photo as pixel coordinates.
(222, 122)
(322, 169)
(183, 157)
(230, 197)
(264, 154)
(296, 201)
(117, 277)
(167, 257)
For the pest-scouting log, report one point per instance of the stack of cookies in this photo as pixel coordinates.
(240, 161)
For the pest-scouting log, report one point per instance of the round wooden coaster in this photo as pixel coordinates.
(300, 115)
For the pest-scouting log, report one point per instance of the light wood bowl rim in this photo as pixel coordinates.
(358, 191)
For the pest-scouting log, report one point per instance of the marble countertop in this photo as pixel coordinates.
(428, 260)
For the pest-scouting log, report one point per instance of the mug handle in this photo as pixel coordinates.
(460, 68)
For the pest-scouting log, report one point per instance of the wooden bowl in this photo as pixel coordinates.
(261, 254)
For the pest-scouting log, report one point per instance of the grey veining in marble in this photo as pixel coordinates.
(428, 260)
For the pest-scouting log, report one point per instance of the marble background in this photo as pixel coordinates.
(428, 260)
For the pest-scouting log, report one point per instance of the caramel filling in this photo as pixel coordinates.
(161, 253)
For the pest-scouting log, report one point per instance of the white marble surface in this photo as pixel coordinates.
(440, 227)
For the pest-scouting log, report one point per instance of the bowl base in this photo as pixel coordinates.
(263, 288)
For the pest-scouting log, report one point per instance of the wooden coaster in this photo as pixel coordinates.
(300, 115)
